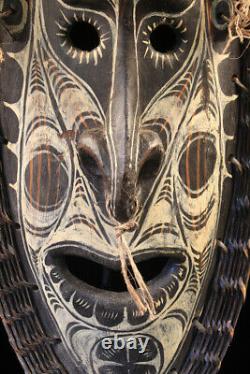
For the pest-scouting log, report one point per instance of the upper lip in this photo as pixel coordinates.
(110, 261)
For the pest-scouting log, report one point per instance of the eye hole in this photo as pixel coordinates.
(151, 166)
(164, 38)
(84, 36)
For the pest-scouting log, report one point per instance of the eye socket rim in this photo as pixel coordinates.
(172, 57)
(65, 19)
(92, 28)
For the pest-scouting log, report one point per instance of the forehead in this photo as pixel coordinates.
(168, 6)
(139, 8)
(126, 26)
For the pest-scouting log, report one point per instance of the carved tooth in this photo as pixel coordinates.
(12, 147)
(227, 175)
(74, 55)
(200, 327)
(222, 246)
(226, 99)
(87, 57)
(72, 298)
(13, 185)
(220, 57)
(14, 107)
(228, 137)
(243, 289)
(19, 57)
(61, 27)
(245, 251)
(95, 58)
(229, 284)
(229, 328)
(65, 18)
(237, 81)
(9, 54)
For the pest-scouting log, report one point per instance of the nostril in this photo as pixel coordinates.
(151, 165)
(90, 164)
(125, 208)
(124, 205)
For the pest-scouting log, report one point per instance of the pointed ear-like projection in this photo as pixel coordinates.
(124, 184)
(13, 19)
(222, 11)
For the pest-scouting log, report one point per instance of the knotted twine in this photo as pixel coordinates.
(239, 22)
(141, 297)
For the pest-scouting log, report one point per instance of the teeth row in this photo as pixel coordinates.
(83, 303)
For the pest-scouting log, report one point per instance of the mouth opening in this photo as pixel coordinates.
(104, 278)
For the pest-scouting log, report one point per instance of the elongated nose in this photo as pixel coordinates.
(122, 115)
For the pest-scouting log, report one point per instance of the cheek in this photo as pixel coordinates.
(198, 188)
(45, 184)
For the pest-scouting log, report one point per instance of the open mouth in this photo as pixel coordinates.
(108, 279)
(95, 285)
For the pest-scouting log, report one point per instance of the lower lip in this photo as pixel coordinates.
(100, 290)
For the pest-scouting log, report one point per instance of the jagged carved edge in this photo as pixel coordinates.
(27, 337)
(212, 334)
(33, 347)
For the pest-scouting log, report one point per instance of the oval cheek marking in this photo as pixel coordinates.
(42, 193)
(197, 162)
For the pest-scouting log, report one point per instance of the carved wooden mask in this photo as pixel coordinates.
(122, 113)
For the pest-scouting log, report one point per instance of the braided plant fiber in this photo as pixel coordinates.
(239, 23)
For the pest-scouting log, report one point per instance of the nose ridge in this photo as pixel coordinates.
(125, 204)
(122, 114)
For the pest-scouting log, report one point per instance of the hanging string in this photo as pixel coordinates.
(138, 290)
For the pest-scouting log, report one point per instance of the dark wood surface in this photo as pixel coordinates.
(235, 362)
